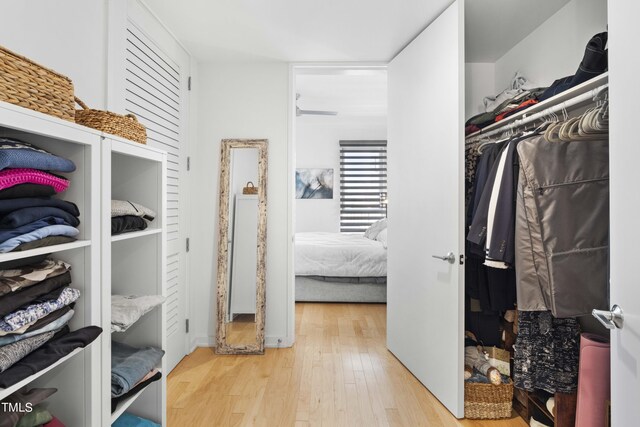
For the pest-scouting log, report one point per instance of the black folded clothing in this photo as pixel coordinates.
(10, 205)
(47, 241)
(25, 216)
(62, 343)
(127, 223)
(46, 290)
(27, 190)
(116, 400)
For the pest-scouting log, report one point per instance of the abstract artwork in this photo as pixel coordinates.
(314, 183)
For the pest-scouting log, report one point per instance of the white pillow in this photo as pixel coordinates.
(382, 238)
(375, 228)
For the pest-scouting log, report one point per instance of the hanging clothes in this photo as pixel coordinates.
(566, 229)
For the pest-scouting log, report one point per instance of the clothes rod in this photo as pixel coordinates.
(583, 98)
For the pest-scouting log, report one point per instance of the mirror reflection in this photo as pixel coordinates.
(242, 242)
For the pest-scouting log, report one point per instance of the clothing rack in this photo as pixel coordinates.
(567, 104)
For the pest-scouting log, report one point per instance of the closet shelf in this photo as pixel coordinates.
(4, 392)
(582, 88)
(124, 405)
(10, 256)
(135, 234)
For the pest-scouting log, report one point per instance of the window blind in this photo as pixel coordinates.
(363, 184)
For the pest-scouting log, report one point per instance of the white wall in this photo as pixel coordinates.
(554, 49)
(479, 82)
(317, 146)
(68, 36)
(244, 100)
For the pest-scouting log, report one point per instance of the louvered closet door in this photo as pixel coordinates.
(156, 92)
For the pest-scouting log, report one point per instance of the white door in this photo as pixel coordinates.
(156, 90)
(624, 150)
(425, 304)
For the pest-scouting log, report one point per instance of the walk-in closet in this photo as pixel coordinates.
(519, 242)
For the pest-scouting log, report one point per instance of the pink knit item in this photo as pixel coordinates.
(11, 177)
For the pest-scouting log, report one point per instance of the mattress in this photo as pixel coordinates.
(339, 255)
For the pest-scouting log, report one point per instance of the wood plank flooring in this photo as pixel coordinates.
(339, 373)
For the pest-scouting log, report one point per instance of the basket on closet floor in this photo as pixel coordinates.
(115, 124)
(488, 401)
(30, 85)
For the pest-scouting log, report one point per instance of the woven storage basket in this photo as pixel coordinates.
(488, 401)
(115, 124)
(29, 85)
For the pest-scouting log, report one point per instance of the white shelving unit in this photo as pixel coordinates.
(76, 376)
(133, 264)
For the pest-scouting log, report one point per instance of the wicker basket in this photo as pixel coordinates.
(250, 188)
(488, 401)
(29, 85)
(115, 124)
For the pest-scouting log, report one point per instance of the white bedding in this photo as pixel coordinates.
(339, 255)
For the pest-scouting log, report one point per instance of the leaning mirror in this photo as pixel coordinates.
(242, 242)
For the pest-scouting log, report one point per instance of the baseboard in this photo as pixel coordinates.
(278, 342)
(202, 342)
(269, 342)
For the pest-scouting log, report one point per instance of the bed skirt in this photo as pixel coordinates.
(312, 290)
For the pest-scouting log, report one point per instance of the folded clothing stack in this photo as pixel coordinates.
(127, 309)
(17, 413)
(128, 216)
(132, 369)
(36, 303)
(29, 216)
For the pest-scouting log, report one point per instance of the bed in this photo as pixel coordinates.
(338, 267)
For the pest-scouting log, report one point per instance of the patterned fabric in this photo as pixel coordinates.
(41, 233)
(11, 353)
(14, 279)
(122, 208)
(35, 312)
(471, 156)
(12, 177)
(546, 352)
(53, 326)
(20, 154)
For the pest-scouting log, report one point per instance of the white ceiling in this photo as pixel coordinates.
(493, 27)
(352, 93)
(296, 30)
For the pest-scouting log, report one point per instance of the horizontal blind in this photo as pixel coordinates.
(363, 184)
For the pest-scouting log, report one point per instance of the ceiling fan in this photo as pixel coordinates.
(301, 112)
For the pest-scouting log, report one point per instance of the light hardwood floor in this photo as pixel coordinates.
(339, 373)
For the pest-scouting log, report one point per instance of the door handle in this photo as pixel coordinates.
(613, 319)
(450, 257)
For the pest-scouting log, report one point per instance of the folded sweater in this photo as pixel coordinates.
(19, 154)
(125, 207)
(11, 177)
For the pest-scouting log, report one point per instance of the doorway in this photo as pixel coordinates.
(338, 192)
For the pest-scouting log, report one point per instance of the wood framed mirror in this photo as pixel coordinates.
(242, 241)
